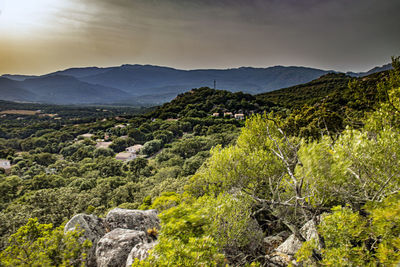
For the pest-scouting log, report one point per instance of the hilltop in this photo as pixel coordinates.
(332, 88)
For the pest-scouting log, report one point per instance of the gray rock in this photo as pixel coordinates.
(140, 251)
(127, 235)
(272, 242)
(278, 259)
(132, 219)
(113, 248)
(292, 244)
(93, 228)
(309, 230)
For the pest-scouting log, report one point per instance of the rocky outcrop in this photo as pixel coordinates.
(278, 259)
(290, 246)
(309, 231)
(113, 248)
(93, 227)
(272, 242)
(283, 255)
(140, 220)
(293, 244)
(140, 251)
(121, 235)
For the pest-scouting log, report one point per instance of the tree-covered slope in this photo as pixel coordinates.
(337, 197)
(226, 194)
(204, 102)
(307, 93)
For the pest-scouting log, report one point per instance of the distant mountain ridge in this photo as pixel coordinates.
(371, 71)
(148, 84)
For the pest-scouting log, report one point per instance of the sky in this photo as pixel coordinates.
(42, 36)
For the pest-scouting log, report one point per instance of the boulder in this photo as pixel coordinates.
(140, 220)
(272, 242)
(93, 228)
(114, 248)
(309, 231)
(121, 234)
(292, 244)
(140, 251)
(278, 259)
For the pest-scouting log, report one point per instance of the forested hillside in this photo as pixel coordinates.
(228, 191)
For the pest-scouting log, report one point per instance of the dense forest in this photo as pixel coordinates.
(325, 152)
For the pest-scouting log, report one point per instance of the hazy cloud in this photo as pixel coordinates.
(340, 34)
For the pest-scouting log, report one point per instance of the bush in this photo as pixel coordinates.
(37, 244)
(151, 147)
(355, 240)
(197, 232)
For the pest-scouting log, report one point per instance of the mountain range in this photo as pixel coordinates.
(148, 84)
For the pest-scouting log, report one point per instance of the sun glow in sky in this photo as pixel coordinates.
(26, 17)
(40, 36)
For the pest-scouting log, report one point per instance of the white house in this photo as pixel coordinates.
(239, 116)
(86, 135)
(125, 156)
(228, 114)
(5, 164)
(103, 144)
(120, 126)
(134, 149)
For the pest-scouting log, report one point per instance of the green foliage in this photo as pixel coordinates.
(387, 115)
(45, 159)
(357, 168)
(341, 230)
(137, 135)
(9, 189)
(166, 201)
(108, 167)
(137, 165)
(313, 122)
(60, 176)
(151, 147)
(120, 144)
(227, 169)
(355, 240)
(164, 135)
(332, 142)
(386, 231)
(308, 93)
(195, 232)
(37, 244)
(192, 164)
(202, 102)
(103, 152)
(147, 201)
(195, 252)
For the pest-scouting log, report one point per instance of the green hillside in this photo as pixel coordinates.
(204, 101)
(308, 93)
(229, 192)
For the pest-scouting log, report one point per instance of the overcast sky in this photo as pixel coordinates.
(40, 36)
